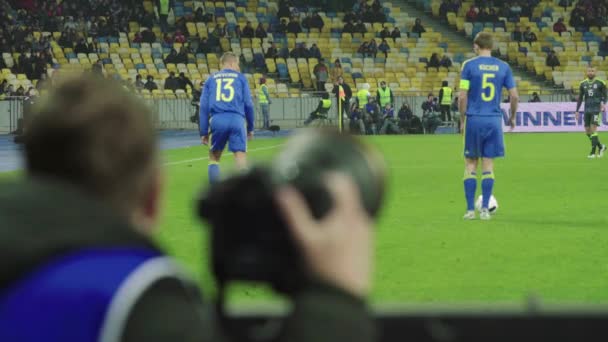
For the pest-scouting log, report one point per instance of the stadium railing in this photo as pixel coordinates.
(284, 112)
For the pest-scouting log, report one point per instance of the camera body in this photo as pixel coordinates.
(249, 237)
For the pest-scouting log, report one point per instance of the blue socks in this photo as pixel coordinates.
(487, 183)
(214, 172)
(470, 186)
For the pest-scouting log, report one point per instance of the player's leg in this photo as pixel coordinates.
(588, 118)
(238, 143)
(217, 142)
(471, 155)
(492, 147)
(595, 138)
(213, 169)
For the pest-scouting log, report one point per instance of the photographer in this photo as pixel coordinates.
(79, 260)
(389, 124)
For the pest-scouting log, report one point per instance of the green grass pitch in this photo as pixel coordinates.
(549, 237)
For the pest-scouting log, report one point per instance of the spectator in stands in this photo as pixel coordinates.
(203, 46)
(430, 105)
(171, 57)
(184, 82)
(306, 21)
(552, 61)
(363, 49)
(167, 41)
(471, 15)
(19, 92)
(260, 32)
(248, 31)
(316, 22)
(281, 27)
(321, 72)
(434, 62)
(294, 26)
(529, 35)
(348, 27)
(385, 33)
(336, 70)
(236, 33)
(272, 51)
(314, 51)
(299, 51)
(3, 87)
(518, 35)
(349, 17)
(493, 16)
(139, 84)
(150, 84)
(444, 8)
(147, 36)
(384, 48)
(418, 28)
(445, 62)
(360, 27)
(171, 82)
(565, 3)
(559, 26)
(535, 97)
(138, 38)
(408, 122)
(179, 37)
(372, 48)
(182, 56)
(284, 10)
(63, 40)
(483, 16)
(81, 47)
(515, 9)
(396, 34)
(10, 90)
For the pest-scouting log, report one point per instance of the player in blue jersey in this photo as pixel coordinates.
(226, 114)
(481, 83)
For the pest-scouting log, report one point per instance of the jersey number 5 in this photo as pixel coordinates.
(485, 84)
(224, 91)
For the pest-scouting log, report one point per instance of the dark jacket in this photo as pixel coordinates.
(42, 220)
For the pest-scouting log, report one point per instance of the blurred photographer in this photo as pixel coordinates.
(196, 102)
(78, 262)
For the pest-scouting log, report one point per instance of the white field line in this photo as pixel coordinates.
(207, 158)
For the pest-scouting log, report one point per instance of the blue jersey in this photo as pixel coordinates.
(226, 92)
(484, 78)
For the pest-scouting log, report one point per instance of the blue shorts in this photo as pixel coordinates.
(483, 137)
(228, 128)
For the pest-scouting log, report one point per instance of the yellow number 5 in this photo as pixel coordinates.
(224, 85)
(486, 84)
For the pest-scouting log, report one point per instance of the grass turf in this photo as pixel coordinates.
(548, 238)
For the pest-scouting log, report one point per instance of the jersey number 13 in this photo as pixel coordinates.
(224, 91)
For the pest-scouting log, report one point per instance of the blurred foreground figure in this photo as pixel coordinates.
(77, 261)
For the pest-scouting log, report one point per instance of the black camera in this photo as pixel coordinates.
(249, 238)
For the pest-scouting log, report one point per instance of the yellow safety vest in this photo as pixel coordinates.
(164, 7)
(447, 96)
(261, 96)
(326, 103)
(362, 96)
(385, 96)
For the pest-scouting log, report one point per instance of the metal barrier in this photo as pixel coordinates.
(11, 111)
(284, 112)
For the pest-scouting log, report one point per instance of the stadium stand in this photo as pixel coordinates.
(577, 46)
(125, 40)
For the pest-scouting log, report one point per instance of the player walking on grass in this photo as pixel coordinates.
(481, 83)
(226, 110)
(593, 92)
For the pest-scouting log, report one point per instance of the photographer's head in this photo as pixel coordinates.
(91, 133)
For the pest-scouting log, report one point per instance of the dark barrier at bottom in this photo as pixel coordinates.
(470, 327)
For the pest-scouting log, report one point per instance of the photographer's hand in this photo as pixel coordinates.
(338, 248)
